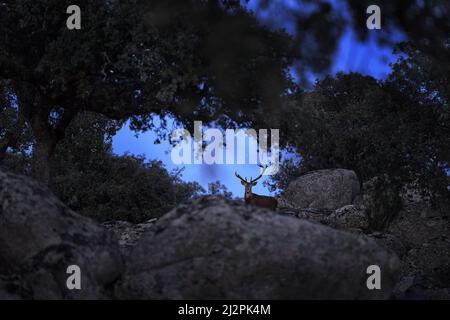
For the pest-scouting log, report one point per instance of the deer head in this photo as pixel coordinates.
(255, 199)
(249, 184)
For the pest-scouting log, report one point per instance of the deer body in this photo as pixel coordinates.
(256, 199)
(262, 201)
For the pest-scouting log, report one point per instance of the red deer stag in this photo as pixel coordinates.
(256, 199)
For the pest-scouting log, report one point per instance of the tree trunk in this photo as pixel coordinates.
(47, 137)
(43, 147)
(12, 136)
(3, 148)
(42, 151)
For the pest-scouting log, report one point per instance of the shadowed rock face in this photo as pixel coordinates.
(420, 236)
(13, 288)
(40, 238)
(330, 189)
(209, 248)
(212, 248)
(349, 217)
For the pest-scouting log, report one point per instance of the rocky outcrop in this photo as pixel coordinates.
(421, 238)
(220, 249)
(13, 288)
(216, 248)
(128, 233)
(310, 214)
(418, 223)
(349, 217)
(329, 189)
(390, 242)
(400, 220)
(40, 238)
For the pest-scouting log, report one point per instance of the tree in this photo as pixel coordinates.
(124, 188)
(216, 188)
(90, 179)
(193, 60)
(335, 124)
(395, 130)
(15, 135)
(421, 86)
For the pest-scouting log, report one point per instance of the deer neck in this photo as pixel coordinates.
(248, 196)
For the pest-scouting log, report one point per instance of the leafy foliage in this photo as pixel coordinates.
(318, 24)
(93, 181)
(96, 183)
(382, 201)
(195, 60)
(15, 134)
(216, 188)
(125, 188)
(424, 23)
(398, 128)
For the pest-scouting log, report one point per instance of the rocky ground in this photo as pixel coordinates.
(317, 245)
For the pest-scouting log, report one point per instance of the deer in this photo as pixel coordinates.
(256, 199)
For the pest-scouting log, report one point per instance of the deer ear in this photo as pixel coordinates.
(254, 183)
(243, 183)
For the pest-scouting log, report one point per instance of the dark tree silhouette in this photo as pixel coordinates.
(202, 60)
(397, 128)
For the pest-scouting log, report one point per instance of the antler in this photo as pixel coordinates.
(242, 179)
(260, 175)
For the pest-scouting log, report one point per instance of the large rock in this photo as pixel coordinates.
(219, 249)
(40, 238)
(330, 189)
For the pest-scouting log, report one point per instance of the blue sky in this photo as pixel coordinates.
(352, 55)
